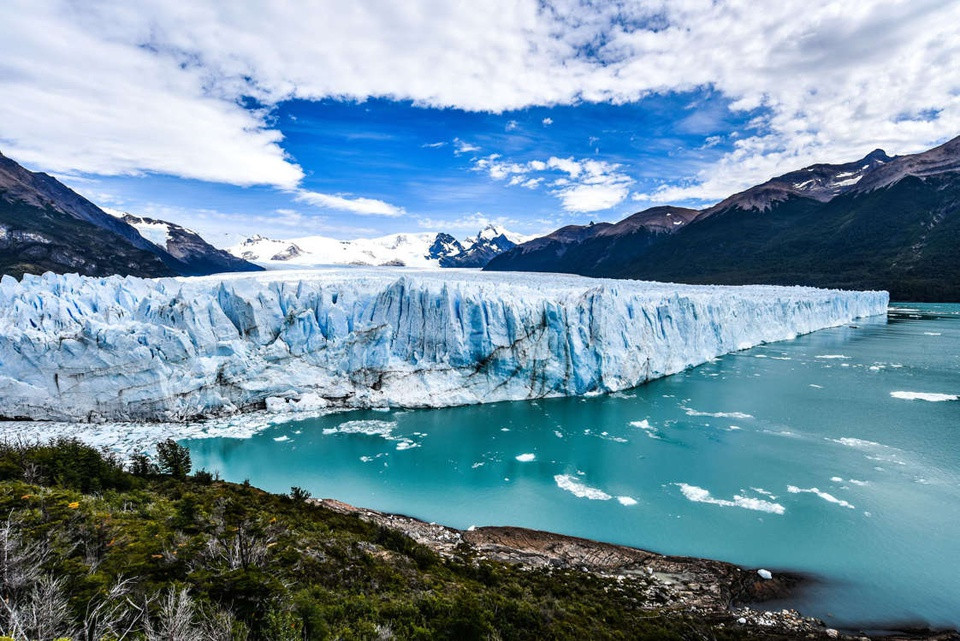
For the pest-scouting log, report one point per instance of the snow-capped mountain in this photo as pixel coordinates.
(46, 226)
(193, 254)
(821, 182)
(426, 249)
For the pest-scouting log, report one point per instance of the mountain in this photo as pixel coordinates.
(597, 248)
(880, 222)
(428, 249)
(46, 226)
(193, 255)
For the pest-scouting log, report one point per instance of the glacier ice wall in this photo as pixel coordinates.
(78, 348)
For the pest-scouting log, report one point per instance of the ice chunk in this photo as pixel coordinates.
(580, 489)
(700, 495)
(793, 489)
(925, 396)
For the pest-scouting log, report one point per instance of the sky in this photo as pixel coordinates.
(353, 119)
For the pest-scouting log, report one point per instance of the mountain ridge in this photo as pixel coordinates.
(424, 249)
(46, 226)
(880, 222)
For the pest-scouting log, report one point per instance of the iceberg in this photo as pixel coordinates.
(76, 348)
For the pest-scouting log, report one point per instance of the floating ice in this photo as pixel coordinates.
(856, 442)
(693, 412)
(526, 458)
(925, 396)
(646, 427)
(579, 489)
(383, 429)
(94, 349)
(832, 356)
(627, 500)
(793, 489)
(700, 495)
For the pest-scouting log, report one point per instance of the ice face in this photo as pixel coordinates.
(77, 348)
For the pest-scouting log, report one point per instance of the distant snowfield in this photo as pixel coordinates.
(129, 349)
(421, 250)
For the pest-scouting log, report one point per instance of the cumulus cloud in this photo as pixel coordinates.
(547, 122)
(355, 205)
(581, 185)
(108, 88)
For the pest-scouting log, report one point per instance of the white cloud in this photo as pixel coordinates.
(221, 229)
(511, 125)
(356, 205)
(547, 122)
(461, 147)
(105, 87)
(433, 145)
(469, 223)
(588, 185)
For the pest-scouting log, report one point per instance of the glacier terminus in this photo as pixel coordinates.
(76, 348)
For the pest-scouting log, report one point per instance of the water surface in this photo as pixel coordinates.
(793, 455)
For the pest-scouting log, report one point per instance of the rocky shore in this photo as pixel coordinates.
(721, 593)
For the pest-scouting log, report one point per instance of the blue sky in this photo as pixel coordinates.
(376, 117)
(428, 162)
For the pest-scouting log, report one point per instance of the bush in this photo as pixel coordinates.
(173, 459)
(299, 494)
(203, 477)
(142, 466)
(65, 462)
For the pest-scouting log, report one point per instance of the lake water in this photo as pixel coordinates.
(794, 455)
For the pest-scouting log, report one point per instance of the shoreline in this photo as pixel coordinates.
(717, 592)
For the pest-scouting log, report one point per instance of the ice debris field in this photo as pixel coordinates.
(75, 348)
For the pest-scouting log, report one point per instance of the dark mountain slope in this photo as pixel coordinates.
(598, 248)
(34, 240)
(193, 255)
(876, 223)
(46, 226)
(904, 238)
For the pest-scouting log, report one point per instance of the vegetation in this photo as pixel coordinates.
(92, 551)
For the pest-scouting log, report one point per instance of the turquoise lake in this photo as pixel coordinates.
(810, 455)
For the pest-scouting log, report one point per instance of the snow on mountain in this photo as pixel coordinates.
(79, 348)
(185, 250)
(156, 232)
(425, 250)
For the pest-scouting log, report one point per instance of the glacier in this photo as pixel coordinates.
(76, 348)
